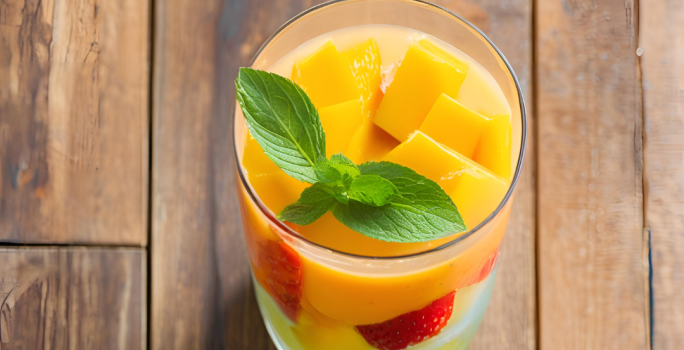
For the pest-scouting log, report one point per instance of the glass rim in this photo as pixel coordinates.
(296, 235)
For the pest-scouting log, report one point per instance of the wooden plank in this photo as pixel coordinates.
(199, 260)
(73, 121)
(510, 321)
(662, 64)
(72, 298)
(194, 209)
(590, 210)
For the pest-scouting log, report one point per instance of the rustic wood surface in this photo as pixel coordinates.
(72, 298)
(185, 217)
(73, 121)
(198, 254)
(590, 210)
(662, 66)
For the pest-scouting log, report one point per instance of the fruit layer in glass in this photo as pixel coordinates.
(424, 90)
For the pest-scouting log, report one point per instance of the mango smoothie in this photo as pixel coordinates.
(383, 93)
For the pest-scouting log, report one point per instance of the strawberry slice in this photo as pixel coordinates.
(482, 271)
(410, 328)
(283, 275)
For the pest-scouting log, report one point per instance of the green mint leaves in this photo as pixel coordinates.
(281, 117)
(312, 204)
(422, 212)
(381, 200)
(373, 190)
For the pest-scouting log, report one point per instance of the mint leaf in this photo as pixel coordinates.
(283, 120)
(340, 193)
(312, 204)
(335, 169)
(344, 165)
(373, 190)
(326, 172)
(423, 212)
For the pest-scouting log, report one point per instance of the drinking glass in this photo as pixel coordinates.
(338, 291)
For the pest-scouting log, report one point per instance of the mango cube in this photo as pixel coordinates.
(255, 160)
(370, 143)
(326, 77)
(475, 190)
(365, 63)
(425, 73)
(494, 149)
(453, 125)
(481, 94)
(340, 122)
(277, 190)
(273, 186)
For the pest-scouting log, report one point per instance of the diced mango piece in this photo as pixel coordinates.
(277, 190)
(475, 191)
(453, 125)
(333, 335)
(326, 77)
(481, 94)
(430, 159)
(494, 149)
(365, 63)
(255, 160)
(425, 73)
(340, 122)
(274, 187)
(370, 143)
(478, 193)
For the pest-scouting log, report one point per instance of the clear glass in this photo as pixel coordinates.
(340, 291)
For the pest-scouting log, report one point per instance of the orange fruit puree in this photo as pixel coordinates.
(423, 122)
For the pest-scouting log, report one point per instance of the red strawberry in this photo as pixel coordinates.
(283, 274)
(410, 328)
(481, 272)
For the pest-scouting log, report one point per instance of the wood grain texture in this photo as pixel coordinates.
(590, 208)
(73, 121)
(662, 66)
(510, 320)
(72, 298)
(198, 256)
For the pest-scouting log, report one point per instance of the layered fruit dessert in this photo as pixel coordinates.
(373, 160)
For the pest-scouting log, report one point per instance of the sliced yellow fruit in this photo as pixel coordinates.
(475, 190)
(277, 190)
(453, 125)
(340, 122)
(255, 160)
(365, 63)
(370, 143)
(425, 73)
(494, 149)
(481, 94)
(316, 331)
(326, 77)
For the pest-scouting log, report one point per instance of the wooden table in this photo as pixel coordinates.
(118, 218)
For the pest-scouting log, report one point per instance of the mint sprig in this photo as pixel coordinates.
(312, 204)
(283, 120)
(373, 190)
(381, 200)
(422, 212)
